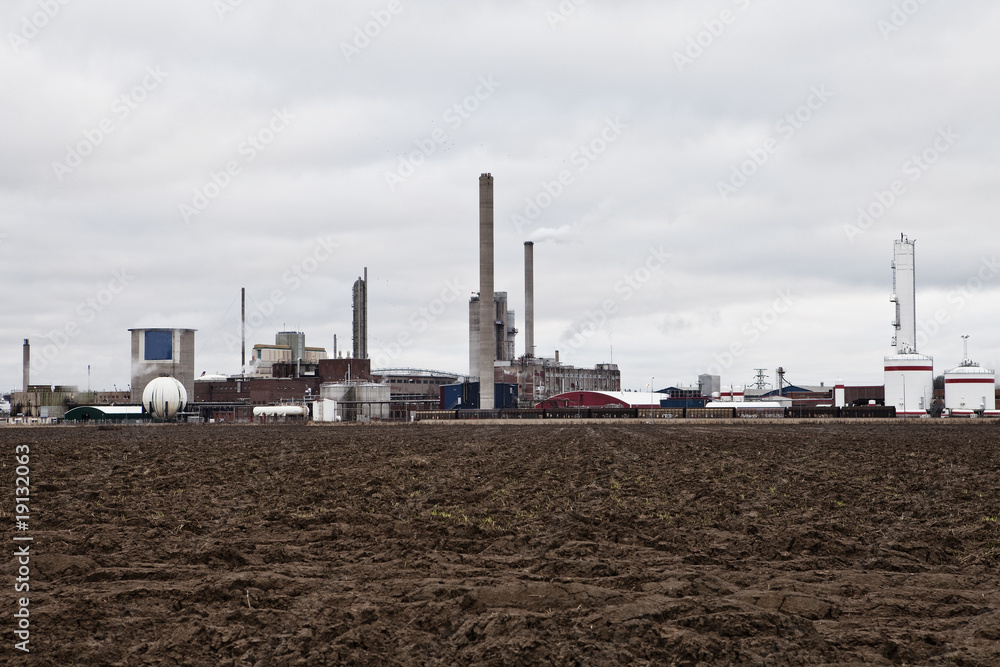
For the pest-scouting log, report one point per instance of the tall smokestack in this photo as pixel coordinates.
(529, 299)
(361, 317)
(27, 364)
(243, 330)
(487, 309)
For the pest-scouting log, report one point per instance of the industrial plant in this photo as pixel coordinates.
(289, 381)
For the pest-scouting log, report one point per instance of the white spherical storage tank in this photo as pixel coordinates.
(969, 388)
(164, 397)
(909, 384)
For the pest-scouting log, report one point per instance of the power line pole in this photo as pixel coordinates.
(761, 379)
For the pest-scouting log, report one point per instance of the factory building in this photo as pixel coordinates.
(413, 390)
(233, 398)
(260, 390)
(538, 378)
(289, 349)
(504, 331)
(161, 353)
(603, 399)
(53, 402)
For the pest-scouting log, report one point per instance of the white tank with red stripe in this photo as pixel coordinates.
(970, 387)
(909, 384)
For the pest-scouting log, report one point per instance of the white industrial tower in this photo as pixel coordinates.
(909, 376)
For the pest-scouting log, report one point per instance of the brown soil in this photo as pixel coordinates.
(762, 544)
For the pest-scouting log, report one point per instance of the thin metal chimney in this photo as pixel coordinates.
(487, 307)
(27, 364)
(529, 299)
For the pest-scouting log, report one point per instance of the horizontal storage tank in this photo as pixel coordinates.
(969, 388)
(279, 411)
(909, 384)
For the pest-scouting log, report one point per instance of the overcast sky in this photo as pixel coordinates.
(693, 175)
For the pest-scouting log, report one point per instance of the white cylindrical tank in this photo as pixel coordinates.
(164, 397)
(726, 394)
(739, 394)
(335, 391)
(373, 400)
(969, 387)
(839, 394)
(909, 384)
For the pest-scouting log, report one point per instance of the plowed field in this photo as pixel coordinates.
(618, 543)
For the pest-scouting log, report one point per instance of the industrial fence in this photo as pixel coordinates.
(746, 411)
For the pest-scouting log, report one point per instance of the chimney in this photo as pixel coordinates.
(27, 364)
(487, 308)
(243, 330)
(529, 299)
(361, 317)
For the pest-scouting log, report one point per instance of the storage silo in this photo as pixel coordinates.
(909, 384)
(372, 400)
(969, 389)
